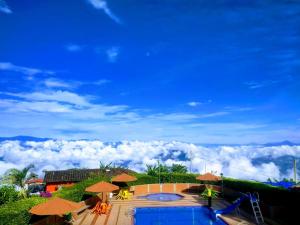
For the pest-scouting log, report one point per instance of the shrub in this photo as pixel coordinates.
(213, 193)
(8, 194)
(77, 192)
(143, 178)
(16, 213)
(164, 178)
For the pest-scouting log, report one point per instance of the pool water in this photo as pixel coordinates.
(188, 215)
(165, 197)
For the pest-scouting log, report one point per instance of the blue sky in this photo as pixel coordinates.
(194, 71)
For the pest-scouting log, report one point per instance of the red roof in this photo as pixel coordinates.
(34, 181)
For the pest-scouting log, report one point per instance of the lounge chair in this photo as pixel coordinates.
(126, 195)
(120, 194)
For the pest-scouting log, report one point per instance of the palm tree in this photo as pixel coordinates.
(18, 178)
(178, 168)
(105, 167)
(151, 170)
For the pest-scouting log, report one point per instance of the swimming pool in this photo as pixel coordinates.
(189, 215)
(165, 197)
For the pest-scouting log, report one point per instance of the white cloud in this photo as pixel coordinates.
(37, 106)
(4, 7)
(61, 154)
(101, 82)
(194, 104)
(112, 54)
(102, 5)
(28, 71)
(66, 114)
(58, 96)
(56, 83)
(74, 47)
(261, 84)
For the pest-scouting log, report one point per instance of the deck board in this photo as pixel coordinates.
(121, 211)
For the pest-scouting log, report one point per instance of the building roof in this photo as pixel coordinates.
(34, 181)
(76, 175)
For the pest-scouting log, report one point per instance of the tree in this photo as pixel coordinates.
(104, 167)
(178, 168)
(8, 194)
(18, 178)
(163, 168)
(151, 170)
(209, 193)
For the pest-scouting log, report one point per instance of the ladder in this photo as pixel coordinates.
(254, 200)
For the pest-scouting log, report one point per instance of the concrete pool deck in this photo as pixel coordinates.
(121, 212)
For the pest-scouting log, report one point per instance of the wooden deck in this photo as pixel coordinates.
(121, 212)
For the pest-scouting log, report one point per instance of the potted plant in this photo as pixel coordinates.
(209, 193)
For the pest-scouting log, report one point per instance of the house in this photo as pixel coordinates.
(65, 178)
(34, 185)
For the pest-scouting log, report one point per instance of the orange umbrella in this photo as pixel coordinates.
(55, 206)
(123, 178)
(208, 177)
(102, 187)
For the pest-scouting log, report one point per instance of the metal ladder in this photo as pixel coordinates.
(256, 209)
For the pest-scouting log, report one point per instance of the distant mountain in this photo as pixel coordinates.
(24, 138)
(280, 144)
(114, 144)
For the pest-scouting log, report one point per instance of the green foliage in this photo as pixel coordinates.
(77, 191)
(16, 213)
(104, 167)
(155, 170)
(151, 170)
(162, 168)
(143, 178)
(178, 168)
(8, 194)
(18, 178)
(205, 193)
(248, 186)
(178, 178)
(164, 178)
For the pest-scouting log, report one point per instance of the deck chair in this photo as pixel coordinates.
(120, 194)
(126, 195)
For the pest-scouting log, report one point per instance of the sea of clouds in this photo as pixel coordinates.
(232, 161)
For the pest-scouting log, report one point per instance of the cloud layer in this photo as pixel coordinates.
(233, 161)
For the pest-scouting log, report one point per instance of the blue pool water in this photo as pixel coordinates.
(165, 197)
(189, 215)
